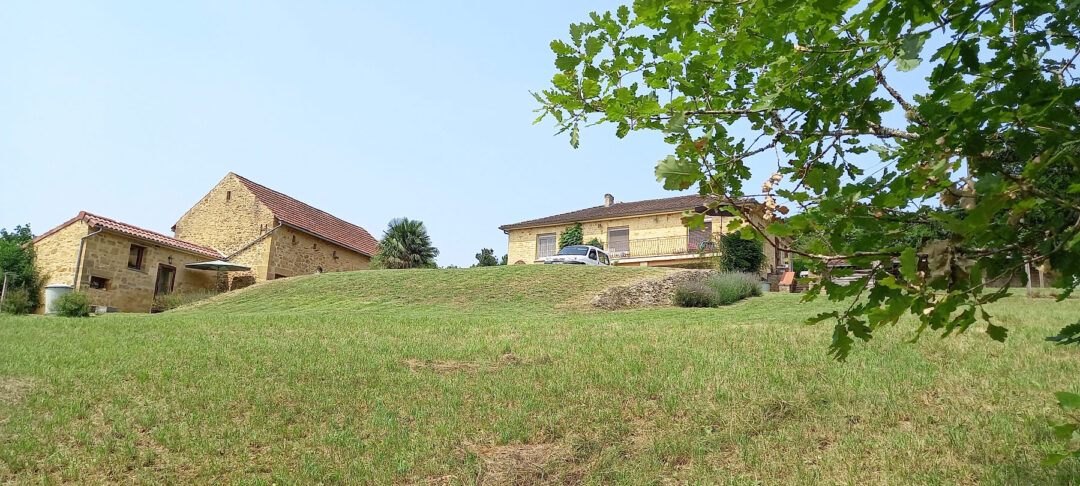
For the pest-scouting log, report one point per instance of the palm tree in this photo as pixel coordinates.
(405, 244)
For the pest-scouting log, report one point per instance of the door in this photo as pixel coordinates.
(698, 239)
(166, 275)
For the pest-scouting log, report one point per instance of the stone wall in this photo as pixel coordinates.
(256, 256)
(648, 293)
(129, 289)
(226, 219)
(55, 255)
(295, 253)
(522, 245)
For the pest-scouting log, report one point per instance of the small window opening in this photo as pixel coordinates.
(294, 239)
(99, 283)
(334, 254)
(228, 195)
(314, 245)
(135, 257)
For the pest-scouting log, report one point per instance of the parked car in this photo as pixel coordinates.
(579, 255)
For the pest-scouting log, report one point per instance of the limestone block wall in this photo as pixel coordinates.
(295, 253)
(226, 219)
(55, 255)
(132, 290)
(257, 256)
(522, 246)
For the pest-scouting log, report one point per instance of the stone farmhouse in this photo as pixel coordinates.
(644, 233)
(123, 267)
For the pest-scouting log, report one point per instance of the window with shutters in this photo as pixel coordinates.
(618, 239)
(545, 245)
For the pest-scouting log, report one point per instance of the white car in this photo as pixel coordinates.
(579, 255)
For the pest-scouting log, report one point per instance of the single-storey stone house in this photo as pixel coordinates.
(124, 267)
(639, 233)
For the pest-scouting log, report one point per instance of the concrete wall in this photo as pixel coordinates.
(132, 290)
(55, 255)
(295, 253)
(226, 218)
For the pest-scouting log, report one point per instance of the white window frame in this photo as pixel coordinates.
(540, 247)
(611, 241)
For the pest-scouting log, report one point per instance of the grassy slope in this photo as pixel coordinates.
(403, 376)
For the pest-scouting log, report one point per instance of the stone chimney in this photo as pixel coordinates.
(608, 200)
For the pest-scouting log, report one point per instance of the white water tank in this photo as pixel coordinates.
(53, 292)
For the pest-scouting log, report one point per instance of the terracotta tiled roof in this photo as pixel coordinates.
(315, 221)
(134, 231)
(621, 209)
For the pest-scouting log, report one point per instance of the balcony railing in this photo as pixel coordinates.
(664, 246)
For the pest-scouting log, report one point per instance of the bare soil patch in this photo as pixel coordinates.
(14, 389)
(524, 464)
(451, 366)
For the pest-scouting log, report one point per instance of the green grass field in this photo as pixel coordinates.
(504, 375)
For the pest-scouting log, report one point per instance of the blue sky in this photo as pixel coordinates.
(369, 111)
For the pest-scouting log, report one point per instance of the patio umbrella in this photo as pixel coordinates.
(219, 265)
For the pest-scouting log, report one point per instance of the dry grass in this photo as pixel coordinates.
(524, 464)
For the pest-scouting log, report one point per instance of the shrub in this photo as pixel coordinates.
(17, 301)
(17, 260)
(695, 294)
(73, 304)
(731, 287)
(595, 242)
(739, 255)
(177, 299)
(572, 235)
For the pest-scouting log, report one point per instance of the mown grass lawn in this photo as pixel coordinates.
(502, 375)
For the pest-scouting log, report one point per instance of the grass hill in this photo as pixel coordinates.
(500, 376)
(537, 287)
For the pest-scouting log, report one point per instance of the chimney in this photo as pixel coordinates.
(608, 200)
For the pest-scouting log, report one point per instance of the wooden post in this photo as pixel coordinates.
(1042, 277)
(3, 293)
(1027, 270)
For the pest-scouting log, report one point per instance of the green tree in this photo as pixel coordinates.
(17, 257)
(739, 254)
(505, 259)
(572, 235)
(871, 135)
(405, 244)
(486, 258)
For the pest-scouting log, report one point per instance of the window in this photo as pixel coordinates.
(604, 259)
(545, 245)
(99, 283)
(619, 239)
(294, 239)
(592, 254)
(228, 195)
(135, 257)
